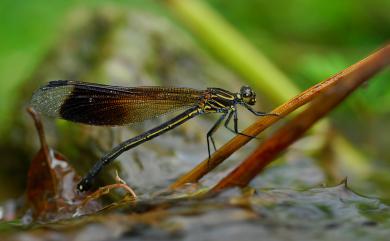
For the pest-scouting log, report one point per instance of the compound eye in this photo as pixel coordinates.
(246, 91)
(248, 95)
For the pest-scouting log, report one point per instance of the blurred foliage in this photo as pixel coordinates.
(308, 40)
(312, 40)
(28, 30)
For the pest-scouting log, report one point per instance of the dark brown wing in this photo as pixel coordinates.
(96, 104)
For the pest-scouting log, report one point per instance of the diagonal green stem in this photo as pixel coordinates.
(233, 48)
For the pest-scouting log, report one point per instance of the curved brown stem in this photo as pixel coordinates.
(361, 70)
(346, 82)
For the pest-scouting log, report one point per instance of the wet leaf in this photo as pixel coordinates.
(51, 184)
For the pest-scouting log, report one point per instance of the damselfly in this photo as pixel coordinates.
(107, 105)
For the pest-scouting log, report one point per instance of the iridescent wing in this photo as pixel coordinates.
(96, 104)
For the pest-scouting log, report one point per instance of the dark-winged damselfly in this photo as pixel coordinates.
(107, 105)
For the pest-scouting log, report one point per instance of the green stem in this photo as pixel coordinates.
(233, 48)
(249, 62)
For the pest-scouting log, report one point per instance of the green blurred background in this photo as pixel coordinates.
(306, 40)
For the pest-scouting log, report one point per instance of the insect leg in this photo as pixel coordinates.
(258, 113)
(212, 131)
(235, 119)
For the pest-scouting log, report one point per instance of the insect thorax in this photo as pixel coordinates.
(218, 100)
